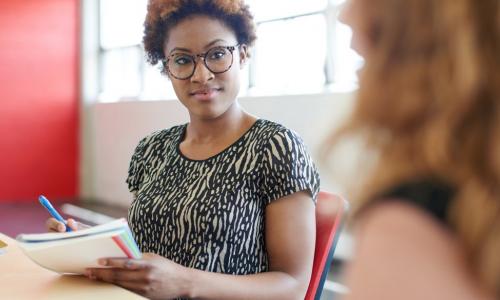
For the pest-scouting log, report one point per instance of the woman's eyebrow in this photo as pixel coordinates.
(214, 42)
(206, 46)
(179, 49)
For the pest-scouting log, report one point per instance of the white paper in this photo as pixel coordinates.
(76, 252)
(116, 224)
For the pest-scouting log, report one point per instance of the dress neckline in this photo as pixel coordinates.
(239, 140)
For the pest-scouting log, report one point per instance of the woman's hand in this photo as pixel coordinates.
(153, 276)
(53, 225)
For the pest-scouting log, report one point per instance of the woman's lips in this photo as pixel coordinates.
(205, 94)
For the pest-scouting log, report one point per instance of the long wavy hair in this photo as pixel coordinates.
(429, 107)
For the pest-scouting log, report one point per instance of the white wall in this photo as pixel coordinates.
(116, 129)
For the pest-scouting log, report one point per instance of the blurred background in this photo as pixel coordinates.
(77, 96)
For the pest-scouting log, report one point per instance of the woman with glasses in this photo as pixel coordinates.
(428, 215)
(224, 205)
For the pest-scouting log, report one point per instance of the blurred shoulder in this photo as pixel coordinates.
(410, 250)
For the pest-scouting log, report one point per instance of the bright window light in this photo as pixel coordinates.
(294, 62)
(297, 51)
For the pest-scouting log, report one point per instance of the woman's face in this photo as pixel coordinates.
(351, 15)
(206, 95)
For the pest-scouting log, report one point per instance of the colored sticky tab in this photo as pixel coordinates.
(127, 236)
(2, 244)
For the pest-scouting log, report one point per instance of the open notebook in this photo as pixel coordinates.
(72, 252)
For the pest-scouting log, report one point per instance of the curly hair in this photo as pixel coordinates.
(162, 15)
(436, 65)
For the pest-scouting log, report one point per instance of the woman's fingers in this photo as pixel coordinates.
(74, 225)
(115, 275)
(54, 226)
(124, 263)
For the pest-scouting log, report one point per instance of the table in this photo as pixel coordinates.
(20, 278)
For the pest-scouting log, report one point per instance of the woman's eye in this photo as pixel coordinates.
(217, 54)
(183, 60)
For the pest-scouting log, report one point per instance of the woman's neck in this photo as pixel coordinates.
(232, 122)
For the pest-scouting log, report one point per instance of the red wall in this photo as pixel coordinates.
(39, 94)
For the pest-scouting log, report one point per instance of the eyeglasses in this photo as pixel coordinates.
(182, 65)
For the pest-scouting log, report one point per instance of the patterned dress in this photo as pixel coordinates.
(209, 214)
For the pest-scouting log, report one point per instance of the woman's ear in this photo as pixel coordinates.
(243, 55)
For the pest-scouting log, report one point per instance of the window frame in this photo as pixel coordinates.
(330, 13)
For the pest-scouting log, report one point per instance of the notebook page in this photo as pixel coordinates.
(116, 224)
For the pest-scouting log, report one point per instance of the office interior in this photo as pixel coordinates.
(77, 96)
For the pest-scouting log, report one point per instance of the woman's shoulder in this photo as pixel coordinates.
(271, 129)
(163, 136)
(393, 236)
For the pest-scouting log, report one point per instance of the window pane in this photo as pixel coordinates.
(244, 80)
(121, 70)
(290, 56)
(336, 2)
(156, 85)
(347, 62)
(266, 10)
(121, 22)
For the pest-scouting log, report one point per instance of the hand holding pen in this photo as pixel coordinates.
(57, 223)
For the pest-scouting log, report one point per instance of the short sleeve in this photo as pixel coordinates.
(136, 168)
(287, 167)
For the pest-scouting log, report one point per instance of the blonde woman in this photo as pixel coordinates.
(428, 219)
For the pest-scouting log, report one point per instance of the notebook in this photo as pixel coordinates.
(73, 252)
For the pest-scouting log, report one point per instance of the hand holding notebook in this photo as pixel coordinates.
(73, 252)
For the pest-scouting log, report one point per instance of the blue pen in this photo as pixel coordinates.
(53, 212)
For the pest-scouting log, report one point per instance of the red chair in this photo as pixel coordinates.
(330, 211)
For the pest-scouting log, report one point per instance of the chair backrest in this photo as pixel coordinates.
(330, 211)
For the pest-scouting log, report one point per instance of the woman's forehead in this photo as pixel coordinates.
(198, 32)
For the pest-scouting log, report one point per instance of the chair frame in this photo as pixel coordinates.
(328, 206)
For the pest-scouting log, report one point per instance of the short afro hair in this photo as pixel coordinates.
(162, 15)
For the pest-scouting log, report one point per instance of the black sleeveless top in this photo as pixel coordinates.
(432, 196)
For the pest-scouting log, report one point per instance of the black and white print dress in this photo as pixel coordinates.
(209, 214)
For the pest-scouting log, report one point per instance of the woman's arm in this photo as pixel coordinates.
(403, 253)
(290, 237)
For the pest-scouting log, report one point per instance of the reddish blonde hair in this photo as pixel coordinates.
(429, 106)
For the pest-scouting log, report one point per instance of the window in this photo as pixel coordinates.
(295, 61)
(301, 48)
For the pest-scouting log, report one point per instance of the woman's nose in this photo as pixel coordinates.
(201, 73)
(344, 13)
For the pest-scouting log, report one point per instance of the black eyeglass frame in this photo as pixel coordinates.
(203, 57)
